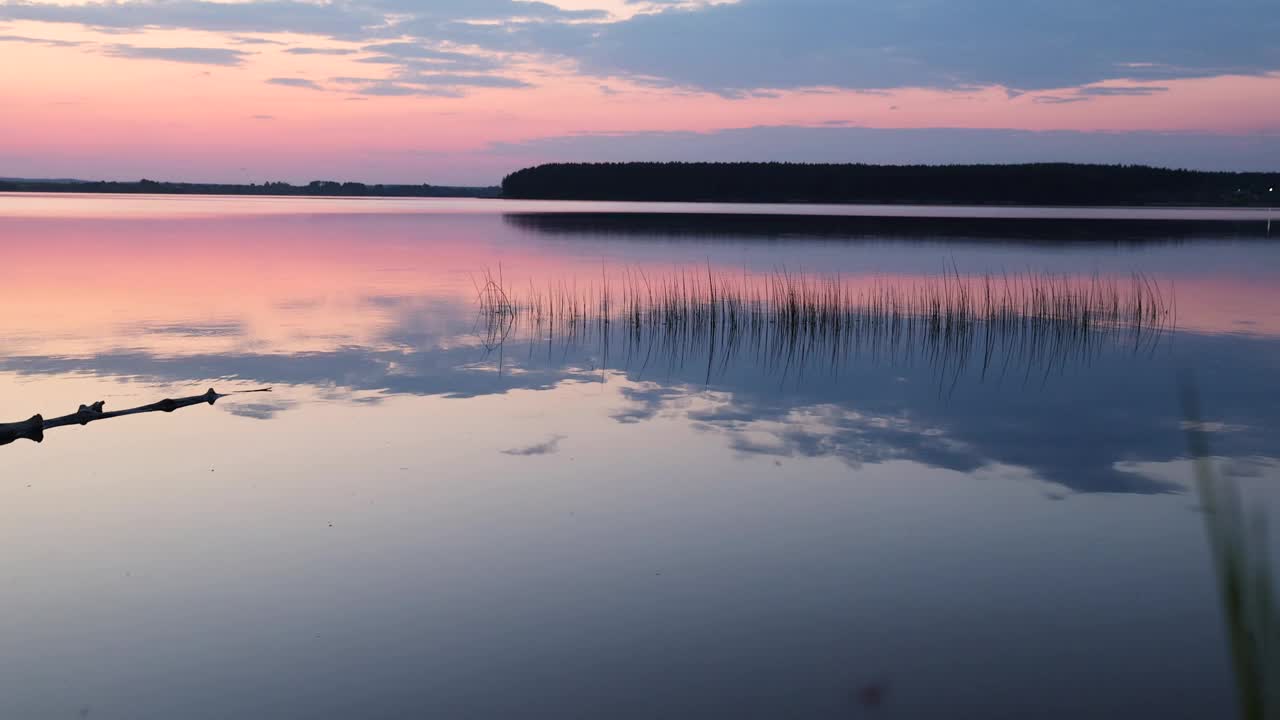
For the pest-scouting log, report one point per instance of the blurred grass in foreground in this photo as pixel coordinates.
(1238, 546)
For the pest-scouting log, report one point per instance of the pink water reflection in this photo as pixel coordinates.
(295, 280)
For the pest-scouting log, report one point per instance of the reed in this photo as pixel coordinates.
(793, 319)
(824, 304)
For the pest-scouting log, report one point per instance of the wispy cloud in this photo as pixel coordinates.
(426, 84)
(230, 328)
(320, 51)
(39, 41)
(247, 40)
(389, 89)
(1059, 99)
(1122, 91)
(194, 55)
(419, 55)
(456, 80)
(294, 83)
(1085, 94)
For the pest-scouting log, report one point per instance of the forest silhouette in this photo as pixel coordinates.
(1030, 184)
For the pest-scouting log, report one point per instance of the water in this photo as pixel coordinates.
(134, 205)
(420, 520)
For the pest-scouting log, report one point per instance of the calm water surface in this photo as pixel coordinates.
(428, 518)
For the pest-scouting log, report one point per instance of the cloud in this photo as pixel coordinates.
(419, 56)
(421, 70)
(487, 11)
(263, 16)
(411, 50)
(243, 40)
(456, 80)
(38, 41)
(358, 19)
(1131, 90)
(1058, 99)
(389, 89)
(549, 447)
(194, 55)
(320, 51)
(1036, 44)
(738, 49)
(405, 34)
(1085, 94)
(230, 328)
(295, 83)
(427, 84)
(1203, 151)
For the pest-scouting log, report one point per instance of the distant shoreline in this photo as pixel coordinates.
(271, 189)
(1037, 185)
(1034, 185)
(900, 209)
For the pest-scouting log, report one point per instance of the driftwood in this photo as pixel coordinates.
(34, 428)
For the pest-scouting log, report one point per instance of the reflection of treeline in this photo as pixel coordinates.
(632, 226)
(317, 187)
(1030, 184)
(793, 321)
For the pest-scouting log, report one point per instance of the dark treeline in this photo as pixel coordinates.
(317, 188)
(1032, 184)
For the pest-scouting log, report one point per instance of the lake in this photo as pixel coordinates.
(601, 460)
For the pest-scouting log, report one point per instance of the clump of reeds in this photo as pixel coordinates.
(787, 317)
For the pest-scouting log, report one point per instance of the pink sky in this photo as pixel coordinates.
(87, 103)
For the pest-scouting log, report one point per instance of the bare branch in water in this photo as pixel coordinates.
(34, 427)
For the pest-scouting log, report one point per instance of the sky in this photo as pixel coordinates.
(465, 91)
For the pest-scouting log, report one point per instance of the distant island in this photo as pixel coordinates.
(1029, 184)
(322, 188)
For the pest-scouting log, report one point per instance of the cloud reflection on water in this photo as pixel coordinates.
(1070, 426)
(361, 308)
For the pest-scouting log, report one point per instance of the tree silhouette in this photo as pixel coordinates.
(1032, 184)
